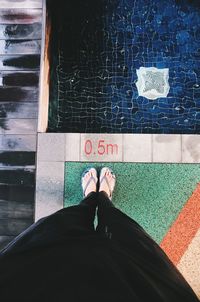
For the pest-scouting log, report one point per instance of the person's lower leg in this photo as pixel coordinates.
(106, 187)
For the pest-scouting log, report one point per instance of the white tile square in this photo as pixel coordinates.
(21, 4)
(167, 148)
(191, 148)
(2, 138)
(19, 126)
(72, 146)
(137, 147)
(49, 188)
(101, 147)
(17, 142)
(51, 147)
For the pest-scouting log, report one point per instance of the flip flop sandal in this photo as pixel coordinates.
(92, 178)
(103, 177)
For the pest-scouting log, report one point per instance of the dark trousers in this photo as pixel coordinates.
(76, 220)
(124, 232)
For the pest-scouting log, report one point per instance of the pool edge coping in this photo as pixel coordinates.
(133, 148)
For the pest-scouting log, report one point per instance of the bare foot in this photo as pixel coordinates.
(107, 181)
(89, 182)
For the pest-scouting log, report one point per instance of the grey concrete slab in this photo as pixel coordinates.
(21, 31)
(17, 142)
(72, 146)
(49, 188)
(14, 226)
(137, 147)
(167, 148)
(30, 62)
(23, 47)
(21, 4)
(18, 126)
(20, 110)
(51, 147)
(5, 240)
(191, 148)
(20, 16)
(101, 147)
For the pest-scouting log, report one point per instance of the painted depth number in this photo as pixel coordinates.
(100, 148)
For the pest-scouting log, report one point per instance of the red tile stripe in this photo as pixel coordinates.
(183, 230)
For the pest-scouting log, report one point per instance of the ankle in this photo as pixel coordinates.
(105, 193)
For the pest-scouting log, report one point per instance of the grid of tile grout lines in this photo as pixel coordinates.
(20, 39)
(96, 91)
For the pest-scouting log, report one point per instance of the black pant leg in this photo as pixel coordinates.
(72, 221)
(103, 203)
(133, 239)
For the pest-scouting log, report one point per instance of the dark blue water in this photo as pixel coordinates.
(97, 47)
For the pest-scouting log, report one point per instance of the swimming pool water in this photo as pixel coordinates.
(96, 48)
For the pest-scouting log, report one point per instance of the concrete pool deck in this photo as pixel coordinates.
(176, 159)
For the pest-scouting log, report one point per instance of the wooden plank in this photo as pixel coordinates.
(21, 31)
(44, 75)
(18, 94)
(20, 16)
(18, 110)
(21, 4)
(17, 193)
(18, 126)
(20, 47)
(5, 240)
(23, 62)
(13, 209)
(24, 79)
(17, 158)
(4, 167)
(18, 142)
(17, 177)
(13, 226)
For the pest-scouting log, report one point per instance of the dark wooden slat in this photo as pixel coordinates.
(13, 227)
(17, 177)
(20, 47)
(17, 193)
(25, 79)
(20, 16)
(18, 110)
(13, 209)
(4, 167)
(18, 142)
(23, 62)
(21, 31)
(17, 158)
(5, 240)
(21, 4)
(18, 126)
(18, 94)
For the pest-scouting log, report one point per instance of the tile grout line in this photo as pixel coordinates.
(79, 147)
(152, 148)
(181, 148)
(63, 202)
(65, 146)
(123, 148)
(79, 159)
(125, 145)
(65, 149)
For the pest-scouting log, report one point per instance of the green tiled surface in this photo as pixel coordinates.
(152, 194)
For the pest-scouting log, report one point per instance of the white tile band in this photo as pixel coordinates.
(55, 148)
(49, 188)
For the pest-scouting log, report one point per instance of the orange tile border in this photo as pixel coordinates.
(183, 230)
